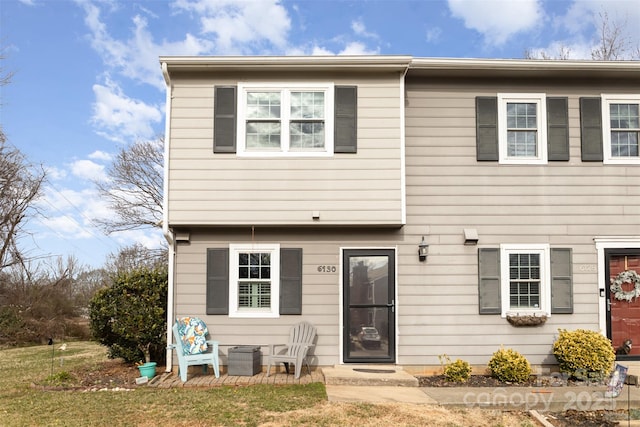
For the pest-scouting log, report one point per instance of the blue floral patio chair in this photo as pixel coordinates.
(192, 346)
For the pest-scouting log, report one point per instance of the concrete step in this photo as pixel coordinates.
(368, 375)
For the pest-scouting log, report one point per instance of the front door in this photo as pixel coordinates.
(369, 305)
(623, 304)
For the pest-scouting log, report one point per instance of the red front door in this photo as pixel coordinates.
(623, 316)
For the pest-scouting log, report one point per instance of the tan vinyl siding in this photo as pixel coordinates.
(358, 189)
(217, 198)
(321, 291)
(564, 204)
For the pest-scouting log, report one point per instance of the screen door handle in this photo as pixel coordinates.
(392, 305)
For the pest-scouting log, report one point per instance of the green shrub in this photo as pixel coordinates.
(584, 354)
(458, 371)
(129, 317)
(509, 366)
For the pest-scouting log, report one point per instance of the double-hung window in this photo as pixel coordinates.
(522, 128)
(621, 128)
(525, 279)
(254, 280)
(296, 120)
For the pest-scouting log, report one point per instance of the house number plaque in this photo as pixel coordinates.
(327, 269)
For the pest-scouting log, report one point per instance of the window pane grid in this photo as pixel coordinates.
(263, 134)
(306, 135)
(254, 265)
(625, 129)
(522, 134)
(524, 283)
(522, 115)
(307, 105)
(522, 143)
(263, 105)
(284, 119)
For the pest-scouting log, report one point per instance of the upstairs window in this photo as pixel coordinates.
(521, 128)
(621, 128)
(285, 121)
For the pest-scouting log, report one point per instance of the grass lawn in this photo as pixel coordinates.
(23, 404)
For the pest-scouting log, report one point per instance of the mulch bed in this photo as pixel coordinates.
(569, 418)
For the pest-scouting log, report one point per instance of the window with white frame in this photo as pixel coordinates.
(525, 279)
(254, 274)
(522, 136)
(296, 120)
(621, 128)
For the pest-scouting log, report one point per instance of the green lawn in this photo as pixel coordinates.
(24, 402)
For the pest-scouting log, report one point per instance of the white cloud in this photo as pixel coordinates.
(360, 29)
(70, 213)
(241, 26)
(121, 118)
(316, 51)
(433, 34)
(581, 27)
(151, 239)
(55, 173)
(357, 48)
(137, 57)
(89, 170)
(100, 155)
(67, 226)
(497, 20)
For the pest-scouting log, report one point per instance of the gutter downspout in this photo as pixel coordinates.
(168, 233)
(403, 188)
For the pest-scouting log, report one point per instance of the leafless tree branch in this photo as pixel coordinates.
(20, 185)
(134, 187)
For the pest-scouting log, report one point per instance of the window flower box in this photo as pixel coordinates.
(526, 319)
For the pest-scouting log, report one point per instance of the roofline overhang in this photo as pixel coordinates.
(461, 67)
(290, 63)
(418, 67)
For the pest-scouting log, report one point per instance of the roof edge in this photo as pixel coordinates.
(520, 64)
(399, 62)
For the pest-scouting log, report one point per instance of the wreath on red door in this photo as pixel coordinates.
(627, 276)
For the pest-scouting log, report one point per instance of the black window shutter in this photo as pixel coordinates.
(561, 281)
(558, 129)
(224, 119)
(291, 281)
(489, 281)
(487, 128)
(217, 281)
(591, 129)
(346, 119)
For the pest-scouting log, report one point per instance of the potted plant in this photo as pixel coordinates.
(130, 316)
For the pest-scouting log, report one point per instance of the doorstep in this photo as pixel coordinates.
(368, 375)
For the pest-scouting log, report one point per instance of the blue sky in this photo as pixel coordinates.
(87, 79)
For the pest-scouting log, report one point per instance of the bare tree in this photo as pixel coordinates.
(20, 185)
(134, 257)
(612, 43)
(563, 53)
(134, 187)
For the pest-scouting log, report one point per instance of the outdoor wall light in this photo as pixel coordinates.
(423, 250)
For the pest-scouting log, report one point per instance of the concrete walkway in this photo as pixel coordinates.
(506, 398)
(391, 384)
